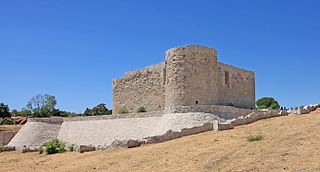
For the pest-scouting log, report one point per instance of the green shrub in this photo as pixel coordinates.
(52, 147)
(123, 110)
(1, 147)
(254, 138)
(71, 147)
(267, 103)
(7, 121)
(141, 109)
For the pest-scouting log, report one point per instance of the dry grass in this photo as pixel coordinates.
(290, 143)
(10, 127)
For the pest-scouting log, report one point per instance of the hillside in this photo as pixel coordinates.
(290, 143)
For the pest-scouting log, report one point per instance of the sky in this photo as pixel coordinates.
(73, 49)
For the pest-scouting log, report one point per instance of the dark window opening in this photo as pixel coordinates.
(227, 79)
(197, 102)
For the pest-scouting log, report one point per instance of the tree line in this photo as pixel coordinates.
(44, 105)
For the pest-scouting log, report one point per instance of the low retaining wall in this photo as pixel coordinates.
(115, 132)
(226, 112)
(133, 130)
(36, 132)
(6, 136)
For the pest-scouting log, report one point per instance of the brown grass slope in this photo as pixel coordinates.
(290, 143)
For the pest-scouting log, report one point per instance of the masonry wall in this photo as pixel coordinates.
(191, 77)
(236, 87)
(140, 88)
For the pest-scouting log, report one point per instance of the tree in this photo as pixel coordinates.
(22, 112)
(100, 109)
(267, 103)
(4, 111)
(42, 105)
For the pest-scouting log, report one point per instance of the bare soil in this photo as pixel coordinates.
(290, 143)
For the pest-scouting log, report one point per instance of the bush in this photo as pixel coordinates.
(141, 109)
(7, 121)
(123, 110)
(4, 111)
(254, 138)
(52, 147)
(1, 147)
(267, 103)
(71, 147)
(100, 109)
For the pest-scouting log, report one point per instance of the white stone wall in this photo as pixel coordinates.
(35, 133)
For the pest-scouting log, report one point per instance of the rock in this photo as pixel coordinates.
(24, 150)
(8, 148)
(283, 113)
(133, 143)
(222, 126)
(301, 111)
(85, 148)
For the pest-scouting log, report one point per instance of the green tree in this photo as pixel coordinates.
(267, 103)
(100, 109)
(42, 105)
(4, 111)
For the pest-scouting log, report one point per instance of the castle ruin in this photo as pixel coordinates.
(190, 78)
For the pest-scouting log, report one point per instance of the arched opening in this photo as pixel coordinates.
(197, 102)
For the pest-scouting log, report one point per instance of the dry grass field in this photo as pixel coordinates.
(290, 143)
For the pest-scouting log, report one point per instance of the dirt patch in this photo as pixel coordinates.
(290, 143)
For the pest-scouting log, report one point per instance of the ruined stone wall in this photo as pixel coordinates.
(191, 77)
(140, 88)
(236, 86)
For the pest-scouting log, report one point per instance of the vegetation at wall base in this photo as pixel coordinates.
(254, 138)
(141, 109)
(267, 103)
(52, 147)
(123, 111)
(7, 121)
(1, 147)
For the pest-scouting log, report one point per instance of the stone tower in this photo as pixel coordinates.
(191, 77)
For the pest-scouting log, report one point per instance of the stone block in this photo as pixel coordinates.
(85, 148)
(283, 113)
(133, 143)
(8, 148)
(222, 126)
(301, 111)
(25, 150)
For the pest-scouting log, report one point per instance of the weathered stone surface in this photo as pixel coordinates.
(217, 126)
(301, 111)
(133, 143)
(8, 148)
(33, 134)
(190, 75)
(25, 149)
(283, 113)
(6, 136)
(85, 148)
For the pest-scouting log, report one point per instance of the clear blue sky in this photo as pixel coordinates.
(72, 49)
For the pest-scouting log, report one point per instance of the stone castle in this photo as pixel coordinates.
(190, 79)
